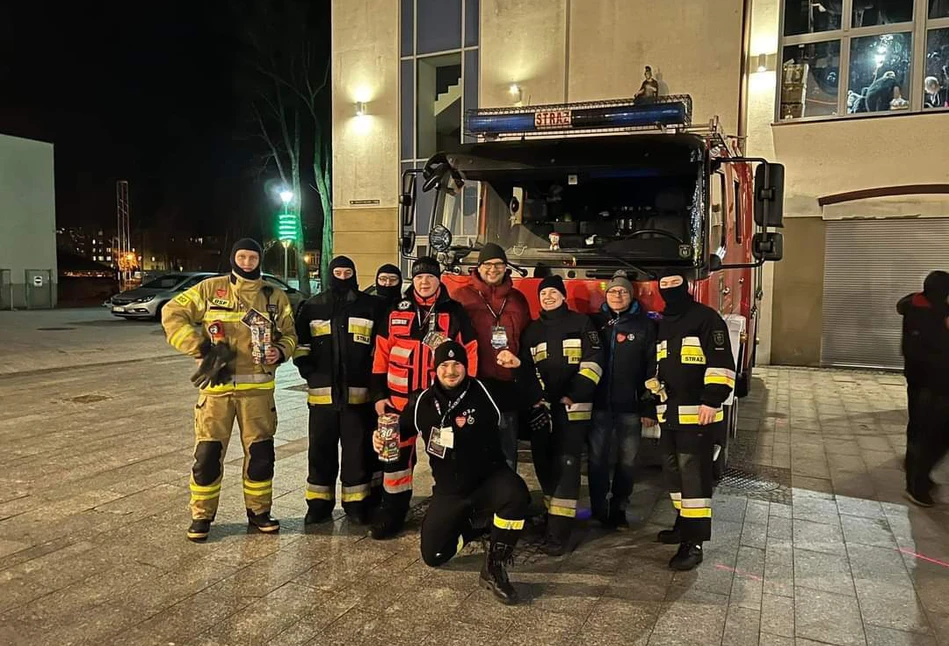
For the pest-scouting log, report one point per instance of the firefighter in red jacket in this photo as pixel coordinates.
(403, 364)
(499, 314)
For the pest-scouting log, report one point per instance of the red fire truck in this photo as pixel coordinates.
(586, 189)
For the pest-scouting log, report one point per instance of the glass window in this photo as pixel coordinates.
(407, 118)
(936, 72)
(439, 103)
(879, 73)
(408, 27)
(809, 80)
(439, 25)
(471, 83)
(876, 12)
(939, 8)
(472, 24)
(808, 17)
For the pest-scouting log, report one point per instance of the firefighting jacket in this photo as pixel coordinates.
(465, 418)
(629, 340)
(490, 306)
(229, 299)
(561, 356)
(337, 333)
(403, 364)
(925, 343)
(695, 364)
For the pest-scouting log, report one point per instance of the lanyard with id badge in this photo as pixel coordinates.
(498, 333)
(434, 337)
(442, 437)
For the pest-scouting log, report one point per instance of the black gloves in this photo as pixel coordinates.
(538, 419)
(214, 366)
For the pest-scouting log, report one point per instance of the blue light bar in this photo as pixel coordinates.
(623, 114)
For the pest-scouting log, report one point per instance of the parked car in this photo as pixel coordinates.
(146, 302)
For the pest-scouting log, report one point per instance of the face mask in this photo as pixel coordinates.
(676, 298)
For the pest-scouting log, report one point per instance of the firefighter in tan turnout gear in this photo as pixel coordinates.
(239, 330)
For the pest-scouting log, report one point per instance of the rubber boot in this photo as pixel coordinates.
(263, 522)
(494, 573)
(199, 530)
(387, 524)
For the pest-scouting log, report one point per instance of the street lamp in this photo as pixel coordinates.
(286, 247)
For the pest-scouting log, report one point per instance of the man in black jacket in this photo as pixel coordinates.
(695, 374)
(388, 285)
(560, 366)
(459, 424)
(926, 354)
(619, 411)
(337, 332)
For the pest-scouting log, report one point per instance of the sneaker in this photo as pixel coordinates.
(263, 522)
(687, 558)
(199, 530)
(920, 498)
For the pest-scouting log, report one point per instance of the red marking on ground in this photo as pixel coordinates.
(747, 575)
(923, 558)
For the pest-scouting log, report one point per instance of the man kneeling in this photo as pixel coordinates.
(459, 423)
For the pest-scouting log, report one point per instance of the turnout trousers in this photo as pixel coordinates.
(687, 469)
(556, 454)
(214, 416)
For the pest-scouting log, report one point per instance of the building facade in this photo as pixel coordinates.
(27, 224)
(849, 95)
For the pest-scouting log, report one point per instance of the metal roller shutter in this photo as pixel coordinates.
(868, 266)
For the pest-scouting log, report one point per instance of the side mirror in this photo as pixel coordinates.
(407, 198)
(769, 195)
(407, 242)
(439, 239)
(767, 246)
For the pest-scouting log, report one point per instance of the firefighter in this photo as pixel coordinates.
(403, 364)
(926, 355)
(622, 414)
(388, 285)
(224, 322)
(560, 360)
(499, 314)
(337, 331)
(459, 424)
(695, 372)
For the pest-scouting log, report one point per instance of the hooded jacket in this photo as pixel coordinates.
(925, 342)
(629, 338)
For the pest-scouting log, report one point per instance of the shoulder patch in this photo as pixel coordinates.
(594, 338)
(718, 337)
(404, 305)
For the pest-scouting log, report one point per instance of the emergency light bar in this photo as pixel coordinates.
(595, 116)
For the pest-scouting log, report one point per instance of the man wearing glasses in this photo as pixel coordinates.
(499, 314)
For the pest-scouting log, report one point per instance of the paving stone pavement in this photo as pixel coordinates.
(813, 542)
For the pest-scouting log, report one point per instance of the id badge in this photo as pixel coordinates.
(253, 319)
(434, 339)
(435, 446)
(446, 437)
(498, 337)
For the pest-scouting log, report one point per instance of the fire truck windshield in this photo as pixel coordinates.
(587, 217)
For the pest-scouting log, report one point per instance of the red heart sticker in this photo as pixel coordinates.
(221, 293)
(460, 420)
(620, 338)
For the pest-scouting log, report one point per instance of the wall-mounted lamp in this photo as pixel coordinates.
(360, 108)
(764, 62)
(516, 92)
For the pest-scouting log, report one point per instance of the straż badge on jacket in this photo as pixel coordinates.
(718, 338)
(594, 339)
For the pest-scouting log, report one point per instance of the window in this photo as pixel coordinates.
(438, 99)
(846, 57)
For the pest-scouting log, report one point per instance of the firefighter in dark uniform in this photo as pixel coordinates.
(388, 285)
(337, 331)
(460, 426)
(403, 364)
(695, 374)
(560, 363)
(926, 354)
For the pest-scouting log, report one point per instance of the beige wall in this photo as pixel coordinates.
(798, 288)
(693, 47)
(366, 148)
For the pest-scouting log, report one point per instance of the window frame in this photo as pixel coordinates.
(918, 28)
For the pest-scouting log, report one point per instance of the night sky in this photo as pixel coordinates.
(143, 91)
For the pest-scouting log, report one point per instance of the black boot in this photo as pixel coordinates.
(263, 522)
(199, 530)
(671, 536)
(387, 524)
(617, 519)
(494, 573)
(687, 558)
(318, 511)
(554, 545)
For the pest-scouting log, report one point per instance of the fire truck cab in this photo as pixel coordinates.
(586, 189)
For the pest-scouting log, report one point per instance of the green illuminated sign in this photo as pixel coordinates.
(287, 224)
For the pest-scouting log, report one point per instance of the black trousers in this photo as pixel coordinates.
(351, 427)
(556, 457)
(687, 468)
(447, 523)
(928, 442)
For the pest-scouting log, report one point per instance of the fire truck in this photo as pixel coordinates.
(586, 189)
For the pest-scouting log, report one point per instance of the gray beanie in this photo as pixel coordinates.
(620, 280)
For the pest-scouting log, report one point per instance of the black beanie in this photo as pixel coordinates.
(554, 281)
(389, 293)
(426, 265)
(339, 284)
(389, 269)
(451, 351)
(247, 244)
(491, 251)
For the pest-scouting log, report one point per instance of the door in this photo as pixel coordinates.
(868, 266)
(39, 294)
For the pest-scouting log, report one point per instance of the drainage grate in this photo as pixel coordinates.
(761, 483)
(54, 329)
(88, 399)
